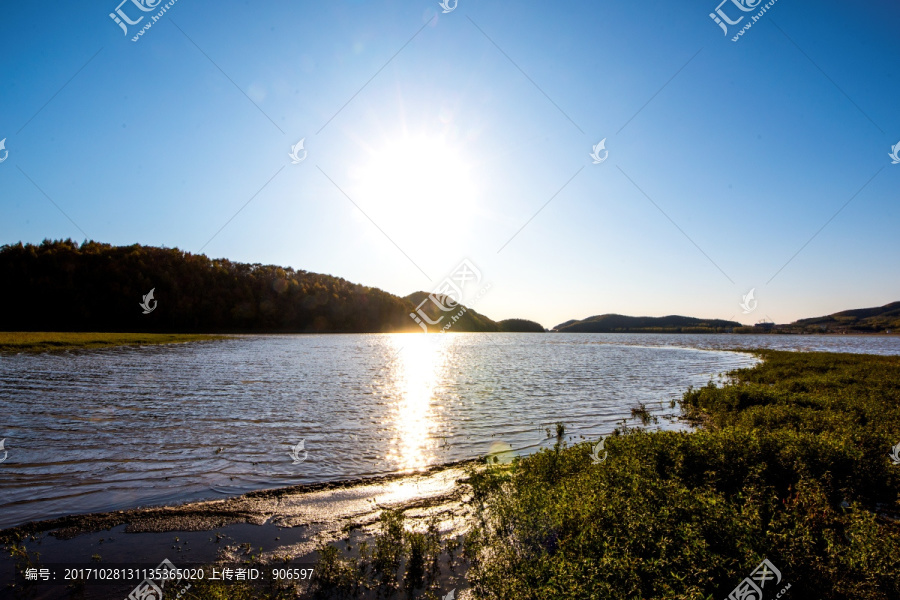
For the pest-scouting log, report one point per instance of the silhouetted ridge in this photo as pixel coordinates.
(623, 324)
(458, 318)
(521, 326)
(61, 286)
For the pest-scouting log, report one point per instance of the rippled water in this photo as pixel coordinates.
(118, 428)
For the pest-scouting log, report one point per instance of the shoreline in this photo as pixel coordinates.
(31, 342)
(193, 515)
(278, 526)
(204, 515)
(39, 342)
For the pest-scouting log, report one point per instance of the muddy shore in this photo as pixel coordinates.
(277, 526)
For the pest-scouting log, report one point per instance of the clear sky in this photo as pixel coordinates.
(430, 137)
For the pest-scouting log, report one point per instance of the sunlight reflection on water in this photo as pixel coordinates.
(419, 365)
(117, 428)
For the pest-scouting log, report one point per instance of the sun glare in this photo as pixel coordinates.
(417, 182)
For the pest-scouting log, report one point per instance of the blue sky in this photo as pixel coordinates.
(435, 137)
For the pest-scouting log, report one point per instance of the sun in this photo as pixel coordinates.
(416, 183)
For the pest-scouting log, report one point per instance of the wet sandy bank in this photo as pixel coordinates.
(282, 526)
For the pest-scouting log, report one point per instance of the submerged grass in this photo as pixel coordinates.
(44, 341)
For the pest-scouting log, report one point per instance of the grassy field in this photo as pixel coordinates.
(35, 341)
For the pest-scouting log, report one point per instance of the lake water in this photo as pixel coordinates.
(118, 428)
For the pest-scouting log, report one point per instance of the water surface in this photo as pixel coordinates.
(117, 428)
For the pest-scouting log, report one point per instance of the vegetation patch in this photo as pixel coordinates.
(45, 341)
(792, 466)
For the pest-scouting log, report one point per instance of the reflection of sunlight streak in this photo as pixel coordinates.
(418, 366)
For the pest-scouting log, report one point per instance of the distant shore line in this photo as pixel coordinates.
(46, 341)
(49, 341)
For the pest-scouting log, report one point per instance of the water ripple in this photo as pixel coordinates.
(118, 428)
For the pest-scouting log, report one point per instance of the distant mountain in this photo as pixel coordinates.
(458, 318)
(520, 326)
(861, 320)
(461, 318)
(64, 286)
(624, 324)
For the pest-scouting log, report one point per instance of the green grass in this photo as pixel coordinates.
(792, 465)
(39, 341)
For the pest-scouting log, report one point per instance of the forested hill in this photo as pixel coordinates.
(460, 318)
(624, 324)
(63, 286)
(859, 320)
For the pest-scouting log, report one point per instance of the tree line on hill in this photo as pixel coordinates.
(623, 324)
(883, 319)
(63, 286)
(860, 320)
